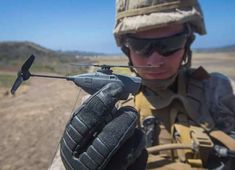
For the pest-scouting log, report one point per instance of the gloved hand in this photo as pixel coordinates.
(97, 138)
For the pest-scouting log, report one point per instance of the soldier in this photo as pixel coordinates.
(187, 116)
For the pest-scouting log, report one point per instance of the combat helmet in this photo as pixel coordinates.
(140, 15)
(133, 16)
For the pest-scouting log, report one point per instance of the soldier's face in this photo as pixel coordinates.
(167, 64)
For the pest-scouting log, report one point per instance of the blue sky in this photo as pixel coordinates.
(85, 25)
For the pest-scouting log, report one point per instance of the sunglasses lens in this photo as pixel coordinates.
(137, 44)
(165, 46)
(169, 52)
(145, 52)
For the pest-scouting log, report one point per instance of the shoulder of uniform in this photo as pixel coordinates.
(191, 78)
(219, 77)
(198, 73)
(220, 99)
(219, 83)
(212, 82)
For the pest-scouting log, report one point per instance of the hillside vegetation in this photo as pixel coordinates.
(14, 54)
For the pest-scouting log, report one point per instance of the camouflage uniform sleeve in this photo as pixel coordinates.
(221, 101)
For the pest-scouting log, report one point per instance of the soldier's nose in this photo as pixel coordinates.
(155, 59)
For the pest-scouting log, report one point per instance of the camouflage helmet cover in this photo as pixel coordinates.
(139, 15)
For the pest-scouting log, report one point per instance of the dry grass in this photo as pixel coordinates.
(217, 62)
(212, 62)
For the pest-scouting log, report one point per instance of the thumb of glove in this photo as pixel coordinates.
(110, 93)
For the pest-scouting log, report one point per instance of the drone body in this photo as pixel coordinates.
(89, 82)
(92, 82)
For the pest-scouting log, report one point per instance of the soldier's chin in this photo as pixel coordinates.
(155, 75)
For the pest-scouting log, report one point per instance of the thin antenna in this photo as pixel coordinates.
(110, 66)
(47, 76)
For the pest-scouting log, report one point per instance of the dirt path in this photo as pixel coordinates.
(31, 123)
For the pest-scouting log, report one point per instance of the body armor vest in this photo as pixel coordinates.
(187, 97)
(184, 104)
(183, 116)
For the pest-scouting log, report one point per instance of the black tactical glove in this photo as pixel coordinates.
(98, 138)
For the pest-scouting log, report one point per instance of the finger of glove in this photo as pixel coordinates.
(132, 154)
(100, 105)
(109, 141)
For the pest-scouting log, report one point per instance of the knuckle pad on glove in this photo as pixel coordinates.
(69, 141)
(66, 155)
(85, 123)
(74, 133)
(70, 161)
(87, 161)
(79, 125)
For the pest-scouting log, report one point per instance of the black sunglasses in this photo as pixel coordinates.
(165, 46)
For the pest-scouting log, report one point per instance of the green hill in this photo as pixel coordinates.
(14, 50)
(13, 54)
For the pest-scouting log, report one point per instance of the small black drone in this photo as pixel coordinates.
(89, 82)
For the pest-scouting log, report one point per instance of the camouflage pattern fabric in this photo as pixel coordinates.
(221, 101)
(138, 15)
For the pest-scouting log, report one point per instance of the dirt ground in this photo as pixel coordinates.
(32, 122)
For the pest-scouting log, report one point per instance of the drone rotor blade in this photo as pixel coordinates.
(23, 74)
(16, 84)
(28, 63)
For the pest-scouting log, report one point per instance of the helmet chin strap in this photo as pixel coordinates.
(187, 58)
